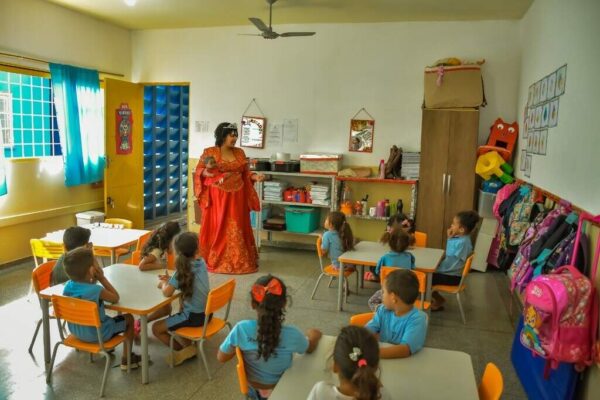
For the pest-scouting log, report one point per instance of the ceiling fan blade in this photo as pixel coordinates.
(249, 34)
(259, 24)
(290, 34)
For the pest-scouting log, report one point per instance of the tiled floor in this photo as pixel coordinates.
(486, 337)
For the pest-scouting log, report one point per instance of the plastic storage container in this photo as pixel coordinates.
(486, 204)
(301, 219)
(265, 212)
(89, 217)
(326, 164)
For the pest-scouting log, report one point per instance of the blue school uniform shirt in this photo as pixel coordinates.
(89, 291)
(409, 329)
(458, 250)
(332, 243)
(395, 259)
(196, 303)
(243, 335)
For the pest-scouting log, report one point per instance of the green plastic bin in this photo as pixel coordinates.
(301, 219)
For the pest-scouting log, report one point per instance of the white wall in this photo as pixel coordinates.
(324, 80)
(553, 33)
(43, 30)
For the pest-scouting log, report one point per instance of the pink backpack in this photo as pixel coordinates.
(560, 315)
(503, 194)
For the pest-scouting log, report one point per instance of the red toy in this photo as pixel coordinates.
(503, 138)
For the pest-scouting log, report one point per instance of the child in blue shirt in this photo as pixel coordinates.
(398, 257)
(191, 279)
(338, 238)
(267, 344)
(458, 249)
(398, 322)
(83, 271)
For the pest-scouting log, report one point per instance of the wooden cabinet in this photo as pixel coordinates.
(447, 180)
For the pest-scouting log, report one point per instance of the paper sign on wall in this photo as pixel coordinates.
(123, 132)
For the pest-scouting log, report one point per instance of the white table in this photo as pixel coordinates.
(369, 253)
(429, 374)
(138, 296)
(104, 238)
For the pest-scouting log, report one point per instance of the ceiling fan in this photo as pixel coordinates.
(267, 31)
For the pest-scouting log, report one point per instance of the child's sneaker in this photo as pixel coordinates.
(369, 276)
(136, 360)
(137, 327)
(177, 357)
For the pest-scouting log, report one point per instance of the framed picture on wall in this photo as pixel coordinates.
(253, 132)
(553, 117)
(522, 160)
(545, 115)
(362, 133)
(561, 80)
(551, 85)
(528, 160)
(544, 90)
(538, 117)
(543, 142)
(530, 96)
(536, 92)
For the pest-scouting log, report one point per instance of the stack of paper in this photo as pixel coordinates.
(410, 165)
(273, 190)
(320, 195)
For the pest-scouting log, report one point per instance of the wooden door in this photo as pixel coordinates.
(462, 156)
(124, 174)
(434, 159)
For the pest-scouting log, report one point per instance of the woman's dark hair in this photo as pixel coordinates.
(271, 314)
(358, 343)
(338, 221)
(186, 247)
(399, 240)
(161, 238)
(221, 132)
(394, 221)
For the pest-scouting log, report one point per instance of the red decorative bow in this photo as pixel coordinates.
(259, 291)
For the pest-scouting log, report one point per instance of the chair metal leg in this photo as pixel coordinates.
(331, 278)
(345, 289)
(357, 279)
(172, 350)
(37, 329)
(91, 358)
(51, 366)
(106, 367)
(312, 296)
(204, 359)
(460, 307)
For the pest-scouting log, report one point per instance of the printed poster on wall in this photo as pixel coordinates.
(124, 129)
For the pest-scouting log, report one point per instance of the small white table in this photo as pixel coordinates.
(369, 253)
(138, 293)
(105, 238)
(429, 374)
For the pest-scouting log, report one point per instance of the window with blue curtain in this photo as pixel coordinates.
(80, 116)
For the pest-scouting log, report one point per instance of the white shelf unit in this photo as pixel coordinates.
(294, 179)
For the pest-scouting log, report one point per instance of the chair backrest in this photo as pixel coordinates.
(171, 261)
(361, 319)
(466, 269)
(41, 275)
(142, 240)
(320, 252)
(76, 311)
(127, 224)
(421, 277)
(241, 371)
(46, 249)
(420, 239)
(220, 297)
(492, 383)
(136, 257)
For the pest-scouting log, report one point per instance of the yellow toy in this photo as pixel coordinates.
(492, 163)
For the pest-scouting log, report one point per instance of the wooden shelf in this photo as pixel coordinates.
(377, 180)
(290, 203)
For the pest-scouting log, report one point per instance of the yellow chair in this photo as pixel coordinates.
(241, 372)
(361, 319)
(84, 312)
(45, 250)
(218, 298)
(420, 239)
(331, 272)
(40, 278)
(492, 383)
(127, 224)
(421, 277)
(457, 289)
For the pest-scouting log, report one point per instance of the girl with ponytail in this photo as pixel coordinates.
(356, 363)
(154, 251)
(266, 343)
(338, 237)
(191, 279)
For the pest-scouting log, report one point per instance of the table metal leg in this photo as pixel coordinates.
(112, 256)
(144, 334)
(46, 330)
(341, 287)
(428, 289)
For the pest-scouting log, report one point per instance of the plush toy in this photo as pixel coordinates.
(491, 163)
(503, 138)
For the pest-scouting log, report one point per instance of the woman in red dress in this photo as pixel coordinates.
(226, 195)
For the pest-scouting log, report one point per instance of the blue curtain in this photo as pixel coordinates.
(3, 187)
(80, 115)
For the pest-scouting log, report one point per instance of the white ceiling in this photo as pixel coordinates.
(154, 14)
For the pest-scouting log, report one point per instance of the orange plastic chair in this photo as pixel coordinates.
(421, 277)
(420, 239)
(492, 383)
(40, 279)
(84, 312)
(241, 372)
(218, 298)
(458, 289)
(45, 250)
(331, 272)
(136, 257)
(361, 319)
(138, 247)
(127, 224)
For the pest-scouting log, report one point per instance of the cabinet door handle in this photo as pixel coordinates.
(449, 183)
(444, 184)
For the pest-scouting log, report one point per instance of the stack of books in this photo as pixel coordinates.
(273, 190)
(410, 165)
(320, 195)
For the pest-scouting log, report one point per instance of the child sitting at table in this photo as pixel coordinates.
(74, 237)
(398, 322)
(267, 345)
(191, 278)
(338, 237)
(356, 363)
(154, 251)
(84, 272)
(398, 257)
(458, 249)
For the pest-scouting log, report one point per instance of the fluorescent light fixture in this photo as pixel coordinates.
(130, 3)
